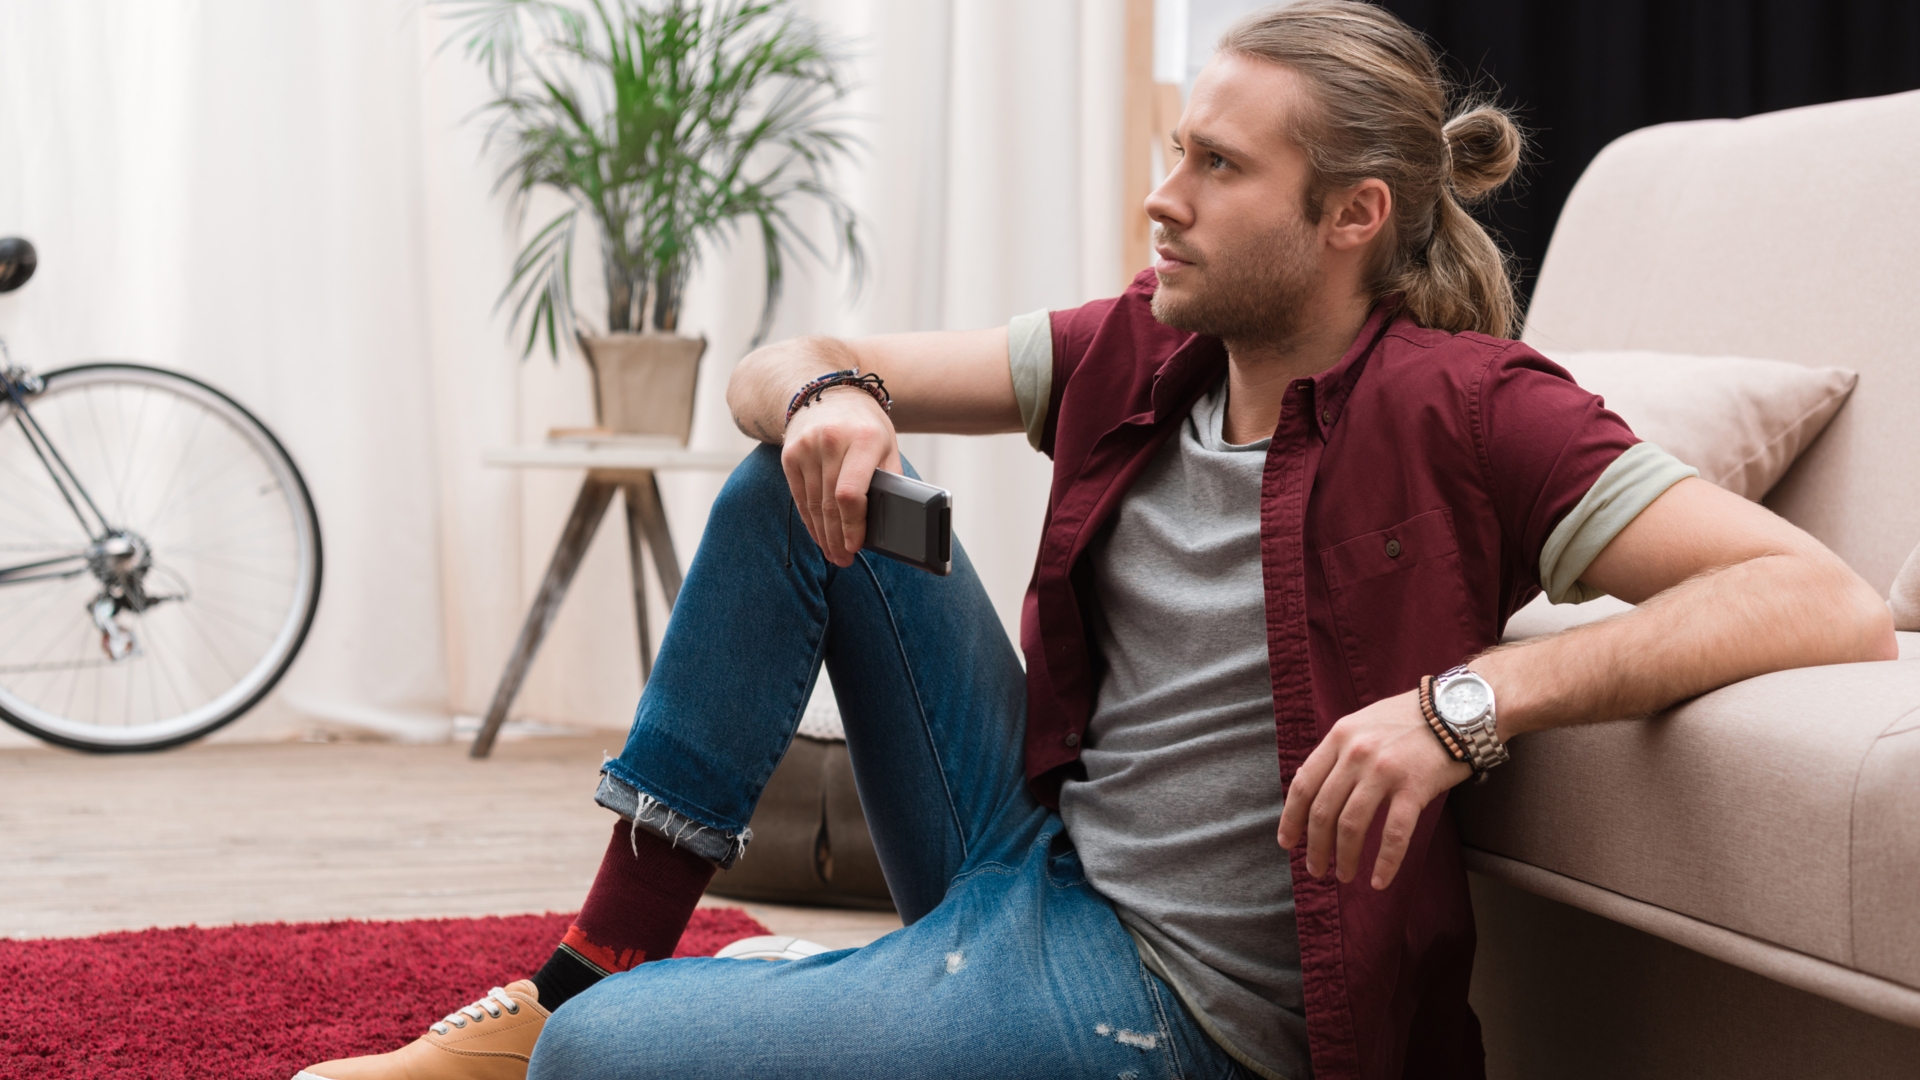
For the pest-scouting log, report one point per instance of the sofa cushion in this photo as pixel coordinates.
(1786, 236)
(1782, 807)
(1741, 422)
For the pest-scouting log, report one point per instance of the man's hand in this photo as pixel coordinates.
(832, 448)
(957, 382)
(1383, 755)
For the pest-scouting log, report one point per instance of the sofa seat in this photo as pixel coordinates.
(1773, 824)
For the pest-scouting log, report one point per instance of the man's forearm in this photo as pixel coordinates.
(1764, 614)
(957, 382)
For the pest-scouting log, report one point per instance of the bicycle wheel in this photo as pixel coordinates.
(186, 610)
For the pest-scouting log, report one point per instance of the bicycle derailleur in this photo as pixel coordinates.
(120, 561)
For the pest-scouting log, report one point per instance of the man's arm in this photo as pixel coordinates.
(956, 383)
(1726, 591)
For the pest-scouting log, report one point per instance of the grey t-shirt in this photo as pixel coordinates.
(1176, 820)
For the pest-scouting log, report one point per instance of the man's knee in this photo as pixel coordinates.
(568, 1046)
(756, 491)
(658, 1019)
(758, 474)
(590, 1036)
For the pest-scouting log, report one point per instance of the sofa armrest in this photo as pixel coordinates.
(1785, 808)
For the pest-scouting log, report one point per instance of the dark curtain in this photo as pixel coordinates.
(1581, 73)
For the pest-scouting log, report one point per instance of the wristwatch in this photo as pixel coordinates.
(1465, 701)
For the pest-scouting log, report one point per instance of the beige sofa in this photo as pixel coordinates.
(1732, 888)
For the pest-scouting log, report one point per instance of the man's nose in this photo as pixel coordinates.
(1165, 207)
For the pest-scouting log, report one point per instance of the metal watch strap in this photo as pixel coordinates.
(1484, 751)
(1484, 748)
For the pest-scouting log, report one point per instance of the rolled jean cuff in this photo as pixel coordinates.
(648, 812)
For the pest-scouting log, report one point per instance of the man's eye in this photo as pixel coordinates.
(1215, 161)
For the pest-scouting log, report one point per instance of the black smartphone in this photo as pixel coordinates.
(910, 521)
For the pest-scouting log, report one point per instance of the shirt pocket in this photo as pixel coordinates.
(1400, 606)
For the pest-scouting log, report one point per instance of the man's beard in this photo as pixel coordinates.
(1252, 291)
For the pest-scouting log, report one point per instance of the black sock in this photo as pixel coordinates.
(564, 975)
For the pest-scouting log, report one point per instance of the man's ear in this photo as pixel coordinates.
(1355, 216)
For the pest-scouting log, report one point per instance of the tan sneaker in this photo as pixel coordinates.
(490, 1039)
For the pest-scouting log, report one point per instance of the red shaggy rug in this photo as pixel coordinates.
(260, 1002)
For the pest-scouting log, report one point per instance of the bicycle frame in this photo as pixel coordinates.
(16, 386)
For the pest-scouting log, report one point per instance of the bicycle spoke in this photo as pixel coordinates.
(241, 529)
(235, 568)
(148, 462)
(100, 442)
(73, 686)
(234, 619)
(213, 649)
(35, 481)
(137, 429)
(174, 507)
(199, 424)
(53, 642)
(270, 543)
(47, 606)
(184, 701)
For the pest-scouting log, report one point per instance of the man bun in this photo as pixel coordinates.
(1483, 144)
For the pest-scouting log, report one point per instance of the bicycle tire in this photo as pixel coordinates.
(288, 634)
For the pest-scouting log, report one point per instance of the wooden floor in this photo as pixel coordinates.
(242, 833)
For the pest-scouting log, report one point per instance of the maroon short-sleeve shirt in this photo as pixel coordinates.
(1407, 493)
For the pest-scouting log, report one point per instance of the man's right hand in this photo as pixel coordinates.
(831, 450)
(953, 381)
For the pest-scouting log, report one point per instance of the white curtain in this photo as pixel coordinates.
(289, 201)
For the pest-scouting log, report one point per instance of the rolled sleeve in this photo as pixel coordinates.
(1637, 477)
(1547, 442)
(1030, 357)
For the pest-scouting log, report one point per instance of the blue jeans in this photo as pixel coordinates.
(1010, 964)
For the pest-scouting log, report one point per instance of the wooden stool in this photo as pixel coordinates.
(613, 463)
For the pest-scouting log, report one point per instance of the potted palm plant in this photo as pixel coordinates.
(669, 125)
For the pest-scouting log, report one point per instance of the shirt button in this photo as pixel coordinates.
(1073, 739)
(1326, 416)
(1393, 549)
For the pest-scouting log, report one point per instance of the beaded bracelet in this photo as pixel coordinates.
(871, 383)
(1441, 729)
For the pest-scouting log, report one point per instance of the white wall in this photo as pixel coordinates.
(285, 200)
(1203, 23)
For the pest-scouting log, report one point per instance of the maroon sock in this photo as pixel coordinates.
(640, 901)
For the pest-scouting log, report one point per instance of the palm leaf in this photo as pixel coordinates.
(670, 123)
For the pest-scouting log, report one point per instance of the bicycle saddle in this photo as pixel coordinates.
(17, 262)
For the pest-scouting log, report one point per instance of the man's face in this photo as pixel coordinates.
(1235, 255)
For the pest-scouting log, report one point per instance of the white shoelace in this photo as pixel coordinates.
(459, 1017)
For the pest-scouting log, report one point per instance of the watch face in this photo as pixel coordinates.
(1463, 700)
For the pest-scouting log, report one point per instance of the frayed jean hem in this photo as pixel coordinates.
(646, 811)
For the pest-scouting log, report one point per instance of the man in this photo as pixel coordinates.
(1298, 469)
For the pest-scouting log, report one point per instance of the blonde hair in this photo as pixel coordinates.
(1382, 110)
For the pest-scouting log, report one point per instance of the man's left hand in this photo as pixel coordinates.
(1382, 755)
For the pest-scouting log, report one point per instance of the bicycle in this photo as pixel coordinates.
(160, 556)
